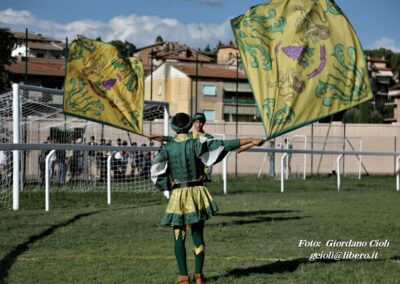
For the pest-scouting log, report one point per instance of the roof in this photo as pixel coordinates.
(39, 66)
(227, 46)
(149, 46)
(45, 46)
(173, 51)
(190, 58)
(33, 36)
(215, 72)
(376, 59)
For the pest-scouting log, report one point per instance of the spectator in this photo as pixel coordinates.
(68, 162)
(3, 165)
(271, 159)
(289, 146)
(102, 161)
(92, 169)
(134, 160)
(117, 161)
(60, 163)
(77, 161)
(124, 160)
(144, 163)
(42, 164)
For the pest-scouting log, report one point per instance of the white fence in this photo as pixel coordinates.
(28, 117)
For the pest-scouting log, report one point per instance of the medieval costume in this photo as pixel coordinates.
(179, 168)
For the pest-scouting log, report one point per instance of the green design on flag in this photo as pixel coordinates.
(303, 61)
(104, 87)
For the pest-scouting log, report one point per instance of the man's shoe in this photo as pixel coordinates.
(199, 278)
(182, 279)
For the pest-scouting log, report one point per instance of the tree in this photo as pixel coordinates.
(126, 49)
(159, 39)
(352, 115)
(376, 117)
(7, 43)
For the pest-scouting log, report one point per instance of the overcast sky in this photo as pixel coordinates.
(194, 22)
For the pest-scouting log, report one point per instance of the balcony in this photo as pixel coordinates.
(239, 100)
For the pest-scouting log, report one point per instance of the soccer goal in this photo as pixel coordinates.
(32, 116)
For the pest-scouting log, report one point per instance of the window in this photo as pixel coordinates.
(209, 90)
(210, 114)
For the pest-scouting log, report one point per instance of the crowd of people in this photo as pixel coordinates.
(70, 165)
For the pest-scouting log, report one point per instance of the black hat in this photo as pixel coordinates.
(181, 123)
(199, 116)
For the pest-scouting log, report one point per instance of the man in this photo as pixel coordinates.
(102, 161)
(199, 120)
(289, 146)
(92, 168)
(271, 159)
(3, 164)
(179, 168)
(60, 162)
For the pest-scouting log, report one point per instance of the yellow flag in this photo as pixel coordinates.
(104, 87)
(303, 61)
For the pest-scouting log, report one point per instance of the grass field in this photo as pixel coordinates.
(254, 239)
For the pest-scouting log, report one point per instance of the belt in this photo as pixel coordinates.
(188, 184)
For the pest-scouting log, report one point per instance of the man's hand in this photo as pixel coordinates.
(258, 141)
(158, 138)
(248, 143)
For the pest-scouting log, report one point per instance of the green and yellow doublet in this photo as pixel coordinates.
(182, 161)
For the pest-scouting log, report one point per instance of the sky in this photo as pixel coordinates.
(197, 23)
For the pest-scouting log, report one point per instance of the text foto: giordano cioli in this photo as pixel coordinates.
(345, 244)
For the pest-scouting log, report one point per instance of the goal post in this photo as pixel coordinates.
(16, 140)
(33, 115)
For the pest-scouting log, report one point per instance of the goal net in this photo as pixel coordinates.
(42, 121)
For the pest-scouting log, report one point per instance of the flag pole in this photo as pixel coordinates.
(26, 57)
(237, 110)
(151, 81)
(197, 80)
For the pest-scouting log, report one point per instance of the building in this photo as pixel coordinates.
(227, 54)
(43, 58)
(156, 54)
(394, 93)
(39, 46)
(381, 77)
(42, 72)
(208, 88)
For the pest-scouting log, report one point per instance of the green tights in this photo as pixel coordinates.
(199, 247)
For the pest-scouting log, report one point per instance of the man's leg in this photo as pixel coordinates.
(199, 246)
(180, 250)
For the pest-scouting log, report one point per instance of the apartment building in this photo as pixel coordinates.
(208, 88)
(41, 60)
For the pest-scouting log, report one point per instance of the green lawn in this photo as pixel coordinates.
(254, 239)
